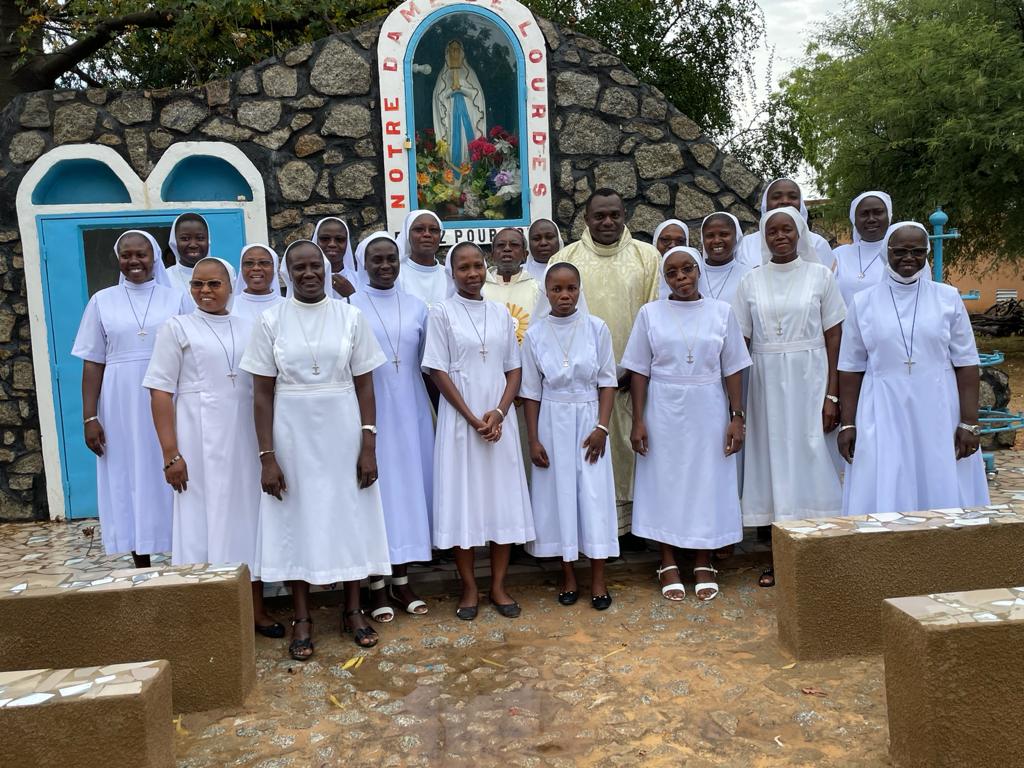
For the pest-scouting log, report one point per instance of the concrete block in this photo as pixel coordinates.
(117, 716)
(832, 575)
(954, 682)
(197, 617)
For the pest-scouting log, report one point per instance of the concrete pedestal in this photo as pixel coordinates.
(954, 682)
(832, 575)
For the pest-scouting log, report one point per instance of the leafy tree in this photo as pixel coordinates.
(922, 98)
(155, 43)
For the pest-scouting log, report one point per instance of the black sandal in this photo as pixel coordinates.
(360, 634)
(296, 646)
(274, 631)
(767, 578)
(568, 598)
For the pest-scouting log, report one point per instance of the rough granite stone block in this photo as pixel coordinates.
(832, 575)
(197, 617)
(117, 716)
(954, 682)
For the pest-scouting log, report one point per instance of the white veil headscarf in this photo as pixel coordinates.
(232, 278)
(159, 270)
(886, 201)
(349, 263)
(404, 247)
(804, 246)
(361, 252)
(736, 227)
(173, 240)
(668, 223)
(282, 270)
(764, 196)
(530, 261)
(692, 252)
(239, 281)
(926, 270)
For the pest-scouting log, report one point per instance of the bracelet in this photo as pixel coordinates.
(603, 428)
(501, 412)
(91, 418)
(734, 413)
(264, 453)
(172, 462)
(832, 399)
(847, 426)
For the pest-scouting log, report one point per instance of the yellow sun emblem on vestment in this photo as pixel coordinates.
(520, 320)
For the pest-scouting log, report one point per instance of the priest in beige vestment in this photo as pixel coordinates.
(619, 276)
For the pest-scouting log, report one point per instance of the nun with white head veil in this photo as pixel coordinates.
(543, 240)
(189, 242)
(908, 381)
(422, 275)
(257, 287)
(671, 233)
(791, 313)
(202, 411)
(786, 193)
(335, 240)
(115, 341)
(861, 264)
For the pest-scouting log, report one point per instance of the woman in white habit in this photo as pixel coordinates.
(257, 287)
(861, 264)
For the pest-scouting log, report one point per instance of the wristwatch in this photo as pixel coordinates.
(734, 414)
(974, 429)
(832, 398)
(369, 428)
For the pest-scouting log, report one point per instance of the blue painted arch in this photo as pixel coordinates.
(80, 181)
(205, 178)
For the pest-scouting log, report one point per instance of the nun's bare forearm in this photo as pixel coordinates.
(162, 405)
(263, 411)
(849, 395)
(968, 382)
(450, 392)
(513, 379)
(92, 383)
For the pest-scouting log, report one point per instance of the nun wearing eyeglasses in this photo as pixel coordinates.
(115, 341)
(202, 410)
(908, 383)
(257, 287)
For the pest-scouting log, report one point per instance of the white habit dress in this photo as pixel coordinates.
(431, 285)
(250, 306)
(573, 500)
(133, 498)
(858, 259)
(325, 529)
(685, 491)
(788, 473)
(215, 519)
(905, 460)
(405, 427)
(480, 492)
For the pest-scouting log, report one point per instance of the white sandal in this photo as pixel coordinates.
(401, 581)
(385, 613)
(701, 586)
(671, 587)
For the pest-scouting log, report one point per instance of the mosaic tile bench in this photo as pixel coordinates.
(117, 716)
(197, 617)
(833, 574)
(954, 681)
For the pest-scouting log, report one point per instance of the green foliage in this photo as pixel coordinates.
(697, 52)
(923, 99)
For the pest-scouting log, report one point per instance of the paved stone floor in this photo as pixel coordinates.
(647, 682)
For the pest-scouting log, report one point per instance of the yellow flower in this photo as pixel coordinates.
(422, 179)
(520, 319)
(449, 177)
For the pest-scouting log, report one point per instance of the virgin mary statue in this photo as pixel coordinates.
(460, 112)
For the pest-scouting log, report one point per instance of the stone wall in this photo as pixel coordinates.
(309, 121)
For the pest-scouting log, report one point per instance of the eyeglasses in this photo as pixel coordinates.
(689, 269)
(902, 253)
(265, 263)
(213, 285)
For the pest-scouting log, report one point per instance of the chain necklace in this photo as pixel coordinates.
(785, 301)
(230, 358)
(689, 341)
(483, 339)
(142, 326)
(721, 286)
(398, 340)
(860, 264)
(572, 337)
(909, 349)
(315, 355)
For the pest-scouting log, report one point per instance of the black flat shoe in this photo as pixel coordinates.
(508, 610)
(568, 598)
(274, 631)
(601, 602)
(467, 612)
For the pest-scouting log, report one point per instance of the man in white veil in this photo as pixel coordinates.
(459, 109)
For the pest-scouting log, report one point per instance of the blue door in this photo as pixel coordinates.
(77, 261)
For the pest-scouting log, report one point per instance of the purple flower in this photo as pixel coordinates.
(502, 178)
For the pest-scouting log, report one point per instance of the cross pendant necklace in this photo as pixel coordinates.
(691, 341)
(908, 348)
(864, 269)
(572, 337)
(483, 338)
(315, 354)
(398, 336)
(229, 357)
(141, 333)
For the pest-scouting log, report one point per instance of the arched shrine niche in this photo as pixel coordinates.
(464, 105)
